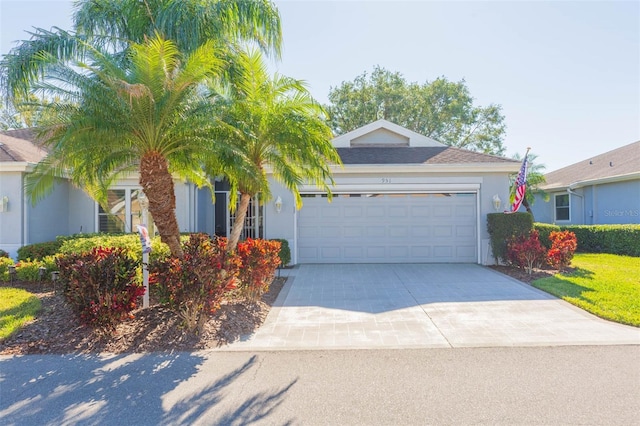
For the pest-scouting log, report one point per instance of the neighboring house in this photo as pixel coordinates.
(400, 197)
(604, 189)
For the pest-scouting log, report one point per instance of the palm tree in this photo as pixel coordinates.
(535, 178)
(273, 122)
(150, 117)
(114, 25)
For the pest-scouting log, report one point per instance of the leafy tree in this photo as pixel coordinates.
(535, 178)
(441, 109)
(115, 24)
(149, 117)
(275, 122)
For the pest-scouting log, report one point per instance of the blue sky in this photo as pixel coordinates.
(567, 74)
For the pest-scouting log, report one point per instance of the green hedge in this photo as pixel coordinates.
(503, 226)
(38, 251)
(129, 242)
(285, 251)
(612, 239)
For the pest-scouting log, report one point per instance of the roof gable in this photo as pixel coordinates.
(19, 146)
(617, 163)
(383, 133)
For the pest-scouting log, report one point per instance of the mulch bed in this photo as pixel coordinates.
(525, 277)
(56, 330)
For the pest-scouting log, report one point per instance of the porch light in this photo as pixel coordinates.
(497, 202)
(278, 204)
(4, 203)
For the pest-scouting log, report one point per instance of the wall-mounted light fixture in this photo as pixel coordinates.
(497, 202)
(4, 204)
(278, 204)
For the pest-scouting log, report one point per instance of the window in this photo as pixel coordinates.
(123, 213)
(562, 207)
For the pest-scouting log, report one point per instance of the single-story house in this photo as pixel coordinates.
(399, 197)
(601, 190)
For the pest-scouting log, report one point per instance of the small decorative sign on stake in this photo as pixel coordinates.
(146, 249)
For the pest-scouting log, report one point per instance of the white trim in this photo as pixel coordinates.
(408, 169)
(415, 139)
(479, 242)
(402, 188)
(610, 179)
(17, 166)
(592, 182)
(555, 207)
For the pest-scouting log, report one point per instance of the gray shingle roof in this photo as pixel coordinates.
(416, 155)
(20, 146)
(621, 161)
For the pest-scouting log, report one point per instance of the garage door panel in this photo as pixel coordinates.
(353, 211)
(388, 228)
(398, 252)
(353, 252)
(465, 231)
(375, 211)
(353, 231)
(398, 212)
(442, 231)
(375, 252)
(398, 231)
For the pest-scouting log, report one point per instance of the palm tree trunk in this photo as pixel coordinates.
(525, 203)
(157, 183)
(238, 223)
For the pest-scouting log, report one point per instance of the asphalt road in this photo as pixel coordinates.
(597, 385)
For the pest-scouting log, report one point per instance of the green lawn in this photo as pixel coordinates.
(606, 285)
(17, 306)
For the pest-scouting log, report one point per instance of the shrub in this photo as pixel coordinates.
(285, 252)
(503, 227)
(196, 284)
(3, 253)
(260, 259)
(526, 252)
(5, 262)
(101, 285)
(544, 229)
(130, 243)
(563, 246)
(613, 239)
(38, 251)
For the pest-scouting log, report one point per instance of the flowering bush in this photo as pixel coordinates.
(196, 284)
(29, 270)
(260, 258)
(563, 246)
(526, 252)
(101, 285)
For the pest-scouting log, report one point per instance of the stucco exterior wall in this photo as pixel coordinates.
(50, 216)
(12, 220)
(603, 204)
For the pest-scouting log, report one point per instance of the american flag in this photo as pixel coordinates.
(521, 185)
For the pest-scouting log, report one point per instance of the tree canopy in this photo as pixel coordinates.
(115, 25)
(271, 121)
(150, 116)
(440, 109)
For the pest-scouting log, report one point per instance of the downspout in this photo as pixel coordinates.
(572, 192)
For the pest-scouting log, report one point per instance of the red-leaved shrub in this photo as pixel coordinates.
(260, 259)
(526, 252)
(102, 285)
(563, 246)
(196, 284)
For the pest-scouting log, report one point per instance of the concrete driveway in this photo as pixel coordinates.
(422, 305)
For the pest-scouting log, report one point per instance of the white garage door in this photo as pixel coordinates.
(368, 228)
